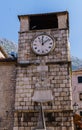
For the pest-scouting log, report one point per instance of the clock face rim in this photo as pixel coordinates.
(43, 54)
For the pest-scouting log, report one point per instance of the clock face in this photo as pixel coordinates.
(42, 44)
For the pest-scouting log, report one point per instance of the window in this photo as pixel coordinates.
(80, 113)
(80, 79)
(80, 96)
(43, 22)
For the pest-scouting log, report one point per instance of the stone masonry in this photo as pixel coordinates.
(43, 75)
(7, 94)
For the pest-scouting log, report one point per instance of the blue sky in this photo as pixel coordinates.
(10, 9)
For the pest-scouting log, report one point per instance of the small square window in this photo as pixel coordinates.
(80, 96)
(80, 113)
(80, 79)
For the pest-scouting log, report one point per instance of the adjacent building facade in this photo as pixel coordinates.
(77, 89)
(7, 84)
(7, 93)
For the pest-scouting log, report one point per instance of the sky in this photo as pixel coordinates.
(10, 9)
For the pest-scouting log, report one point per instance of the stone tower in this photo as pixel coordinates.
(43, 97)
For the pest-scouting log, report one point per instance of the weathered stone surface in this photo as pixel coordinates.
(7, 94)
(50, 128)
(45, 79)
(15, 128)
(42, 96)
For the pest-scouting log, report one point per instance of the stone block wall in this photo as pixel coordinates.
(57, 111)
(55, 78)
(60, 53)
(54, 120)
(62, 21)
(45, 77)
(7, 94)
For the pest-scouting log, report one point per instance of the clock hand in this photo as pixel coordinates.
(42, 41)
(46, 40)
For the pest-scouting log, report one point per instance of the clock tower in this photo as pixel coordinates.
(43, 98)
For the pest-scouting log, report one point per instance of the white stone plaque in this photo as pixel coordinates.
(42, 96)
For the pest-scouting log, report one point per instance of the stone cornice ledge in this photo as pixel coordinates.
(37, 62)
(48, 110)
